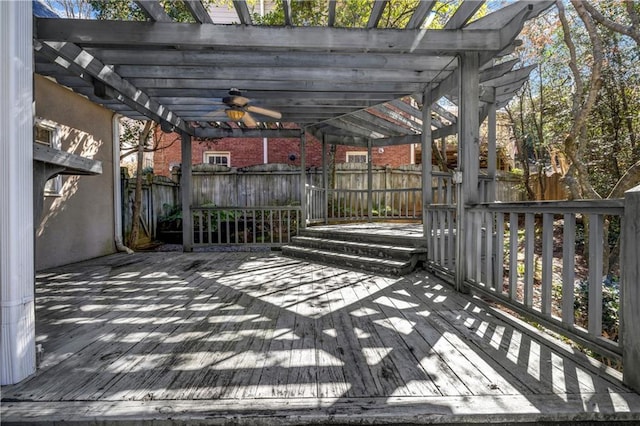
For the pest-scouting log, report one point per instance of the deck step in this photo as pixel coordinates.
(365, 263)
(385, 251)
(356, 236)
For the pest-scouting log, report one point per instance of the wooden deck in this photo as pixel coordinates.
(258, 338)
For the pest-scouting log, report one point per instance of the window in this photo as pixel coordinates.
(46, 133)
(219, 158)
(356, 156)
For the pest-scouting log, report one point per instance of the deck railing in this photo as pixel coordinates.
(386, 204)
(316, 204)
(513, 255)
(272, 226)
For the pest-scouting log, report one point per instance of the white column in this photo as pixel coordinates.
(18, 358)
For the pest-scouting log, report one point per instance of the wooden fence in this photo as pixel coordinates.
(396, 192)
(158, 192)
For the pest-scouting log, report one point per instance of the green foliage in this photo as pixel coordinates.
(355, 13)
(612, 135)
(129, 11)
(610, 306)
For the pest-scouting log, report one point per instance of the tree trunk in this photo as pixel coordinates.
(137, 203)
(577, 177)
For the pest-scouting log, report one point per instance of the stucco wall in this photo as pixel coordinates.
(79, 224)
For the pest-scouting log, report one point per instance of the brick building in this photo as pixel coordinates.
(236, 152)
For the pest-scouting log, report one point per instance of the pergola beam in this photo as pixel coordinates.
(242, 9)
(122, 33)
(420, 14)
(273, 59)
(153, 10)
(293, 73)
(78, 61)
(376, 13)
(398, 87)
(465, 11)
(286, 7)
(198, 11)
(210, 132)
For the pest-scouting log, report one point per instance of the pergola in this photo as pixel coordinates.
(349, 86)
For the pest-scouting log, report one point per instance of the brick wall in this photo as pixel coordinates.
(249, 152)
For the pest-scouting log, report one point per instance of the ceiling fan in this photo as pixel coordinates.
(239, 109)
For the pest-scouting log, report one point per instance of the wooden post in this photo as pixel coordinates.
(186, 179)
(325, 181)
(369, 182)
(630, 289)
(427, 168)
(469, 126)
(468, 164)
(492, 154)
(303, 180)
(18, 355)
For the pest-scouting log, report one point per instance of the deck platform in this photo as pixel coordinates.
(256, 338)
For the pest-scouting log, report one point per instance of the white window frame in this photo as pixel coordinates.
(53, 187)
(357, 154)
(207, 154)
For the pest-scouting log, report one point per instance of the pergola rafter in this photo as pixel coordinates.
(307, 73)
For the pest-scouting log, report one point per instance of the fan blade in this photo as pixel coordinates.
(216, 113)
(248, 120)
(239, 101)
(264, 111)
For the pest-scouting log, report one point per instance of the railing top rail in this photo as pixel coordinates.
(612, 207)
(220, 208)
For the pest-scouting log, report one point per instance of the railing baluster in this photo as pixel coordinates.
(200, 227)
(568, 268)
(280, 226)
(488, 243)
(513, 256)
(442, 218)
(529, 241)
(547, 262)
(209, 227)
(499, 259)
(476, 227)
(451, 240)
(595, 274)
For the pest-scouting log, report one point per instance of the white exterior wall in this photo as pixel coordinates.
(18, 359)
(78, 224)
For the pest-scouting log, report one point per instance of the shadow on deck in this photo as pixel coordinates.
(259, 338)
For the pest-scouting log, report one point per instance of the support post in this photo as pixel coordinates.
(427, 167)
(468, 164)
(186, 179)
(630, 289)
(17, 278)
(325, 181)
(492, 151)
(303, 179)
(369, 182)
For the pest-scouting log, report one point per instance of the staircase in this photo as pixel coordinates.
(375, 253)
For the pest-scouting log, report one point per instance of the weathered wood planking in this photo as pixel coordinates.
(265, 331)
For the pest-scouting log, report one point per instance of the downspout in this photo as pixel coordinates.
(265, 150)
(117, 192)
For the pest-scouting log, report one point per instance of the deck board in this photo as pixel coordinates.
(154, 336)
